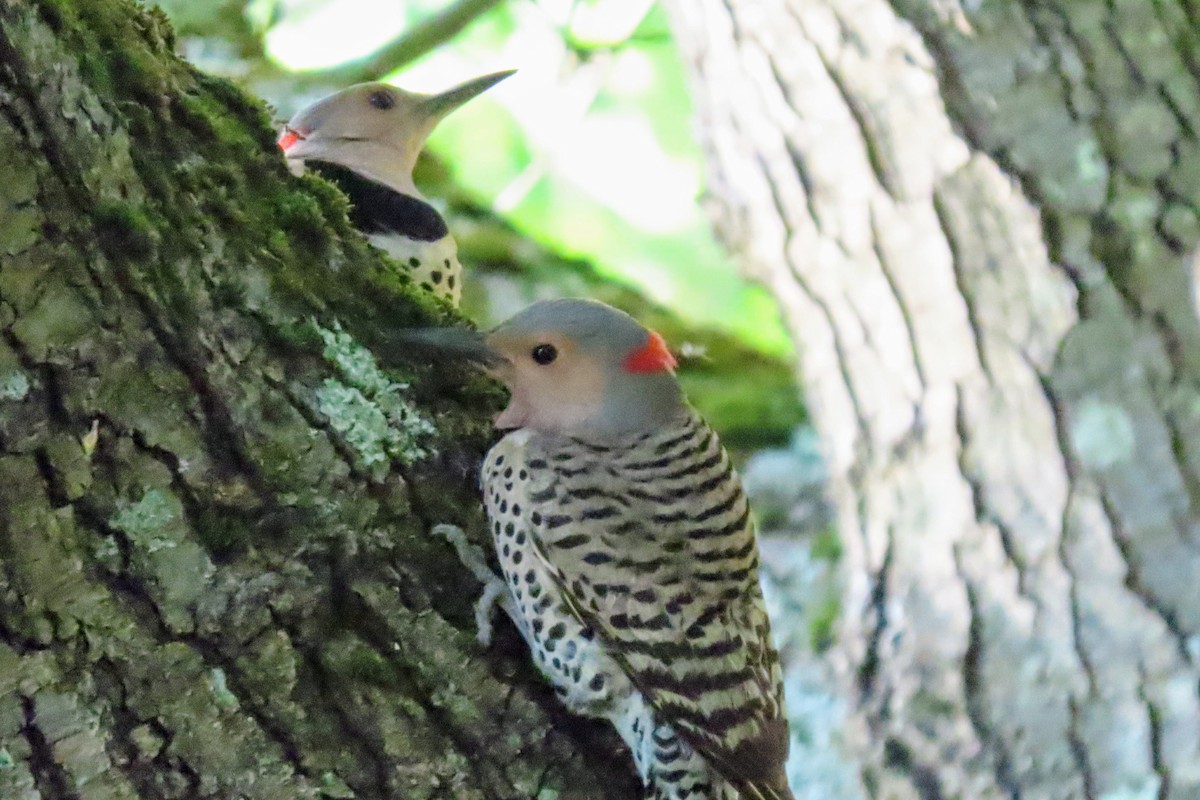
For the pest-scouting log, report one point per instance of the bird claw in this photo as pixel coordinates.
(495, 591)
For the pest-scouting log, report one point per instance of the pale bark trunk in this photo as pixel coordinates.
(976, 219)
(216, 573)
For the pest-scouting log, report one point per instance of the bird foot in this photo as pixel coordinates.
(495, 591)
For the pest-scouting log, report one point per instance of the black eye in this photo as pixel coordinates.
(544, 354)
(381, 99)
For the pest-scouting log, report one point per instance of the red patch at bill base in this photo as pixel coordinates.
(288, 138)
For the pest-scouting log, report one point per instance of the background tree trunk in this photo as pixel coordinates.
(976, 217)
(216, 573)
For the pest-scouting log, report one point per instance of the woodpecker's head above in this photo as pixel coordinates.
(375, 129)
(576, 367)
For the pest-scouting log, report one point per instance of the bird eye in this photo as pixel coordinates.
(381, 99)
(544, 354)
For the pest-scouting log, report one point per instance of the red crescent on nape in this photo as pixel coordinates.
(653, 356)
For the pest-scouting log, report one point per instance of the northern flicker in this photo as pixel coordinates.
(366, 139)
(629, 553)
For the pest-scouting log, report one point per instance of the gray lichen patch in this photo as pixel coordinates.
(360, 422)
(335, 788)
(219, 686)
(152, 521)
(164, 548)
(367, 408)
(1102, 434)
(14, 386)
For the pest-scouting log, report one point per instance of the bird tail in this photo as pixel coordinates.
(758, 791)
(748, 792)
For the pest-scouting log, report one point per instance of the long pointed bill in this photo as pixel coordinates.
(439, 105)
(459, 343)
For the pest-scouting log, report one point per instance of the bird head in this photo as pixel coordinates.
(575, 367)
(375, 129)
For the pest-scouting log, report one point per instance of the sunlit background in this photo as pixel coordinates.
(581, 175)
(588, 148)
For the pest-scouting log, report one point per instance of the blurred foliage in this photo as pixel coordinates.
(757, 406)
(578, 176)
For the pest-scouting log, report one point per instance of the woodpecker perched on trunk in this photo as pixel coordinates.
(366, 139)
(629, 552)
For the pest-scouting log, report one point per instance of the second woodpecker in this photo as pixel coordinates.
(366, 139)
(629, 552)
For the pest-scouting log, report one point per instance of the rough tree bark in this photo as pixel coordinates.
(216, 573)
(976, 216)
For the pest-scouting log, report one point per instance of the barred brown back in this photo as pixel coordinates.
(651, 542)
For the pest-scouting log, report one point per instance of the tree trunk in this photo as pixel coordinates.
(216, 573)
(976, 217)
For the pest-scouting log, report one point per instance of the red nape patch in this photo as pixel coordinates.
(653, 356)
(288, 138)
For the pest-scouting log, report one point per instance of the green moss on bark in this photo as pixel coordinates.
(206, 590)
